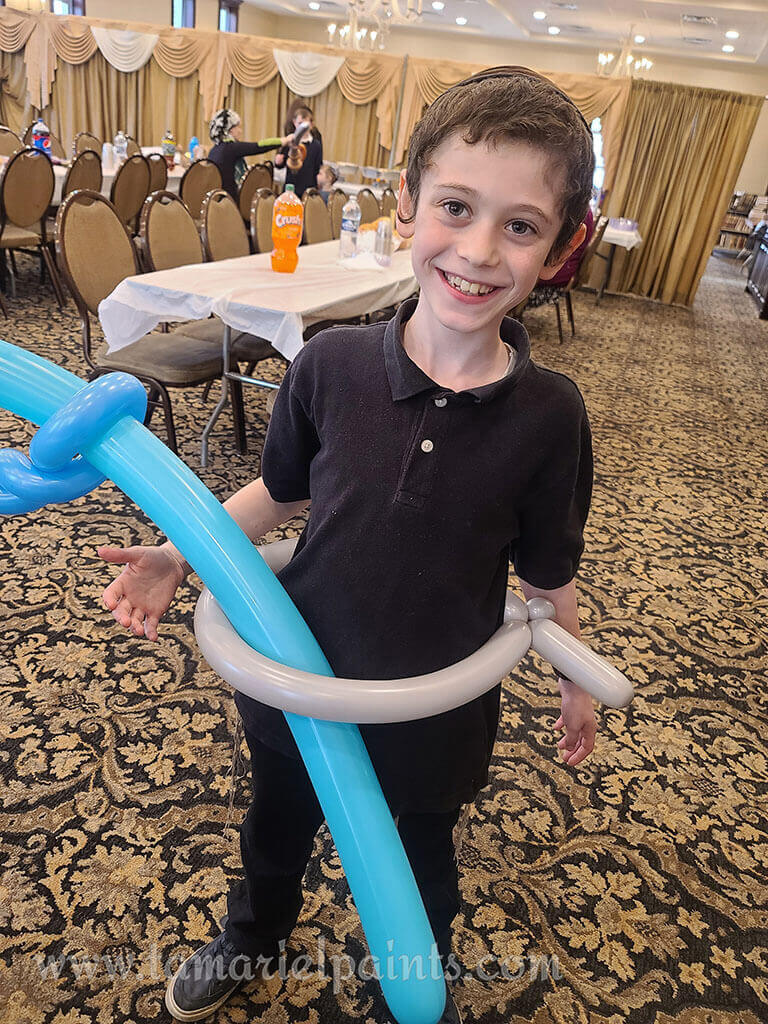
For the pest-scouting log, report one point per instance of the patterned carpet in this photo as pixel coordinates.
(642, 873)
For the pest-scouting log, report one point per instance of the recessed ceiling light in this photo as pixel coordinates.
(732, 34)
(461, 21)
(539, 15)
(553, 30)
(437, 5)
(639, 39)
(314, 5)
(728, 48)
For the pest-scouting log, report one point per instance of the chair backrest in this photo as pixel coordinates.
(200, 178)
(57, 149)
(388, 202)
(9, 141)
(26, 188)
(259, 176)
(168, 233)
(130, 187)
(86, 142)
(336, 201)
(223, 231)
(261, 219)
(93, 248)
(369, 206)
(586, 259)
(317, 219)
(133, 147)
(85, 172)
(158, 172)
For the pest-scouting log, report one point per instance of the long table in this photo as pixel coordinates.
(249, 296)
(108, 176)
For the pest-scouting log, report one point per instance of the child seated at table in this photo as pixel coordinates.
(326, 179)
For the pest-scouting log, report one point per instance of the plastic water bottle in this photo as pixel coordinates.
(121, 146)
(194, 145)
(383, 250)
(351, 215)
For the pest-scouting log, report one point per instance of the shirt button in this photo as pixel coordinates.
(440, 402)
(427, 446)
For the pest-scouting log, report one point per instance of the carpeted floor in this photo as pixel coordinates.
(643, 873)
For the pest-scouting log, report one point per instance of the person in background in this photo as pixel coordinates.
(305, 176)
(326, 179)
(229, 151)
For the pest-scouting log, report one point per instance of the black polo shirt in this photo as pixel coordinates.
(420, 497)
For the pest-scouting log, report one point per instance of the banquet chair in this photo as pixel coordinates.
(223, 232)
(26, 191)
(317, 219)
(84, 172)
(167, 234)
(95, 253)
(158, 172)
(369, 206)
(261, 219)
(9, 141)
(133, 147)
(388, 202)
(130, 188)
(259, 176)
(86, 142)
(200, 178)
(57, 149)
(336, 201)
(578, 278)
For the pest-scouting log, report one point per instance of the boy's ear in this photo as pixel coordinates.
(548, 271)
(404, 209)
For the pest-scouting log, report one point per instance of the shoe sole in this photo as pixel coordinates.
(190, 1015)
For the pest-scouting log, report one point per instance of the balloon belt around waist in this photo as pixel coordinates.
(92, 432)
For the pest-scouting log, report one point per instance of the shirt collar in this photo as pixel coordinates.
(406, 379)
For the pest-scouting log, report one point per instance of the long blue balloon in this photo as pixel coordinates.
(379, 875)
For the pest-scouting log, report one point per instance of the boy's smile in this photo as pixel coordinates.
(486, 220)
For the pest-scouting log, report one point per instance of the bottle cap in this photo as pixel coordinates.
(290, 188)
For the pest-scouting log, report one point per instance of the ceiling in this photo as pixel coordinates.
(673, 30)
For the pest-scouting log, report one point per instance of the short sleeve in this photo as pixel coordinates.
(291, 442)
(552, 520)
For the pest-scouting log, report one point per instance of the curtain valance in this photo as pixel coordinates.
(307, 73)
(126, 51)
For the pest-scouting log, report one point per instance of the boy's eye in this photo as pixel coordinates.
(521, 227)
(454, 207)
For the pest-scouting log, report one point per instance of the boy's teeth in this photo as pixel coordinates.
(468, 287)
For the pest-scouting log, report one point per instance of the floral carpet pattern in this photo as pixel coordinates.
(631, 889)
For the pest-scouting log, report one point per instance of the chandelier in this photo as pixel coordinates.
(627, 64)
(369, 22)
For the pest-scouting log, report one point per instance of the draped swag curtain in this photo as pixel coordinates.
(680, 153)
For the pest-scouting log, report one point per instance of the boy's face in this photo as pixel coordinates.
(323, 178)
(485, 222)
(300, 118)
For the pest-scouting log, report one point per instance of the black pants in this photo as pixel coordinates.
(276, 841)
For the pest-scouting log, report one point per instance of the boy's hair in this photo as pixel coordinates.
(512, 104)
(331, 172)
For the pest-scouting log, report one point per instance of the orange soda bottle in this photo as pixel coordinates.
(287, 221)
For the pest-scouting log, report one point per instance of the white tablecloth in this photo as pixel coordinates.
(622, 232)
(249, 296)
(108, 176)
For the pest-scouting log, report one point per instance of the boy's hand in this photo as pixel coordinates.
(577, 717)
(141, 594)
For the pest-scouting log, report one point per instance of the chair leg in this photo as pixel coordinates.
(55, 280)
(569, 308)
(3, 306)
(559, 320)
(153, 400)
(11, 272)
(238, 415)
(170, 429)
(12, 254)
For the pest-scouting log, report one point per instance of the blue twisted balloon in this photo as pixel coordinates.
(92, 433)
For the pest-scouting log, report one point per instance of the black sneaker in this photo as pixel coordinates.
(206, 980)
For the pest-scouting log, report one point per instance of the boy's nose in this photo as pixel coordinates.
(478, 246)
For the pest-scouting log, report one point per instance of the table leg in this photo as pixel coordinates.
(608, 268)
(222, 400)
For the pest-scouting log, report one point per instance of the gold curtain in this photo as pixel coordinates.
(15, 109)
(680, 154)
(96, 97)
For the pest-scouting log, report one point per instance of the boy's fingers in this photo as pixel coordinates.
(119, 556)
(113, 594)
(150, 627)
(137, 621)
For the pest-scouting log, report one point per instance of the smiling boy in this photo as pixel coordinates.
(433, 450)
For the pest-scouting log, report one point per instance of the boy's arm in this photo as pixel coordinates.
(254, 511)
(577, 715)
